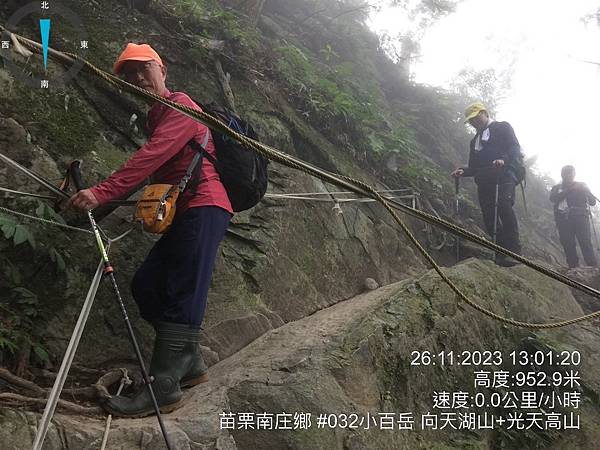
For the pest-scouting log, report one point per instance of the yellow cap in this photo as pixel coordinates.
(473, 109)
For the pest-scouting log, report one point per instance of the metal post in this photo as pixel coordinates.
(456, 187)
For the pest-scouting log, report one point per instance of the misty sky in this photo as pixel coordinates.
(554, 99)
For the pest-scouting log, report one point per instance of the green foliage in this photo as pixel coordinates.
(328, 53)
(18, 316)
(199, 54)
(294, 66)
(25, 251)
(191, 10)
(16, 232)
(326, 96)
(219, 23)
(237, 31)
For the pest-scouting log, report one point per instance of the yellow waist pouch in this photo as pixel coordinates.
(156, 209)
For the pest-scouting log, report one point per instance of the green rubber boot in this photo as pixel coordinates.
(198, 373)
(174, 357)
(198, 370)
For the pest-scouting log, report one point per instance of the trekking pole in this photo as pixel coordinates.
(108, 270)
(496, 213)
(456, 186)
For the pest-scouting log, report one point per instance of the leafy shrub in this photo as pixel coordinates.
(20, 309)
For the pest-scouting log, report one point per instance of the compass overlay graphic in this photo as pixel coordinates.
(52, 16)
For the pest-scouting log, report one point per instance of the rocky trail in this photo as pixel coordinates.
(355, 358)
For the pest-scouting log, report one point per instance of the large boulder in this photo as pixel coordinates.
(357, 357)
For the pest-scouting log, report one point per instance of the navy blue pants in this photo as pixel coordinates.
(172, 283)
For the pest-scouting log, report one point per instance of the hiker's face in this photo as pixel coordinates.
(479, 121)
(148, 75)
(568, 176)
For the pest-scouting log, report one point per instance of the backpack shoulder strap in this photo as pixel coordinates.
(201, 149)
(195, 166)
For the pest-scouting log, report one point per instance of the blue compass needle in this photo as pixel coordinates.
(45, 30)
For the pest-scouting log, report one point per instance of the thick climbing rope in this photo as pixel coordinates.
(345, 182)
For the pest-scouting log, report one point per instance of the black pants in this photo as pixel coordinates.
(507, 227)
(572, 227)
(172, 283)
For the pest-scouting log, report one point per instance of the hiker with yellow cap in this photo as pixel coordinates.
(495, 160)
(171, 285)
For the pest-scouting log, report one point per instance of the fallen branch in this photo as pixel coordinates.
(92, 393)
(18, 47)
(20, 382)
(65, 405)
(85, 370)
(88, 393)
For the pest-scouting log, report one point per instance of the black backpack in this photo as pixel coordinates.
(519, 169)
(243, 171)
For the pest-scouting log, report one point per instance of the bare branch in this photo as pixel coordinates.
(20, 382)
(63, 404)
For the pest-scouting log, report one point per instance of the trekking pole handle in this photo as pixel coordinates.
(456, 184)
(75, 171)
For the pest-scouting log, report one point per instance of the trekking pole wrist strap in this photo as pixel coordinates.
(75, 174)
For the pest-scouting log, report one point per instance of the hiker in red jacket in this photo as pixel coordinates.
(171, 285)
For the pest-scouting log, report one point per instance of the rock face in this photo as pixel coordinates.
(591, 277)
(278, 334)
(355, 358)
(281, 261)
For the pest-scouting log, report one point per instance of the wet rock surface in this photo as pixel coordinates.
(355, 357)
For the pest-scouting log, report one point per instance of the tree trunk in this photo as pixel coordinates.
(224, 80)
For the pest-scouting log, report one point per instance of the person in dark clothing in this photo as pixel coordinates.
(571, 200)
(493, 160)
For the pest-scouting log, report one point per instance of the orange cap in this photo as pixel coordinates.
(135, 52)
